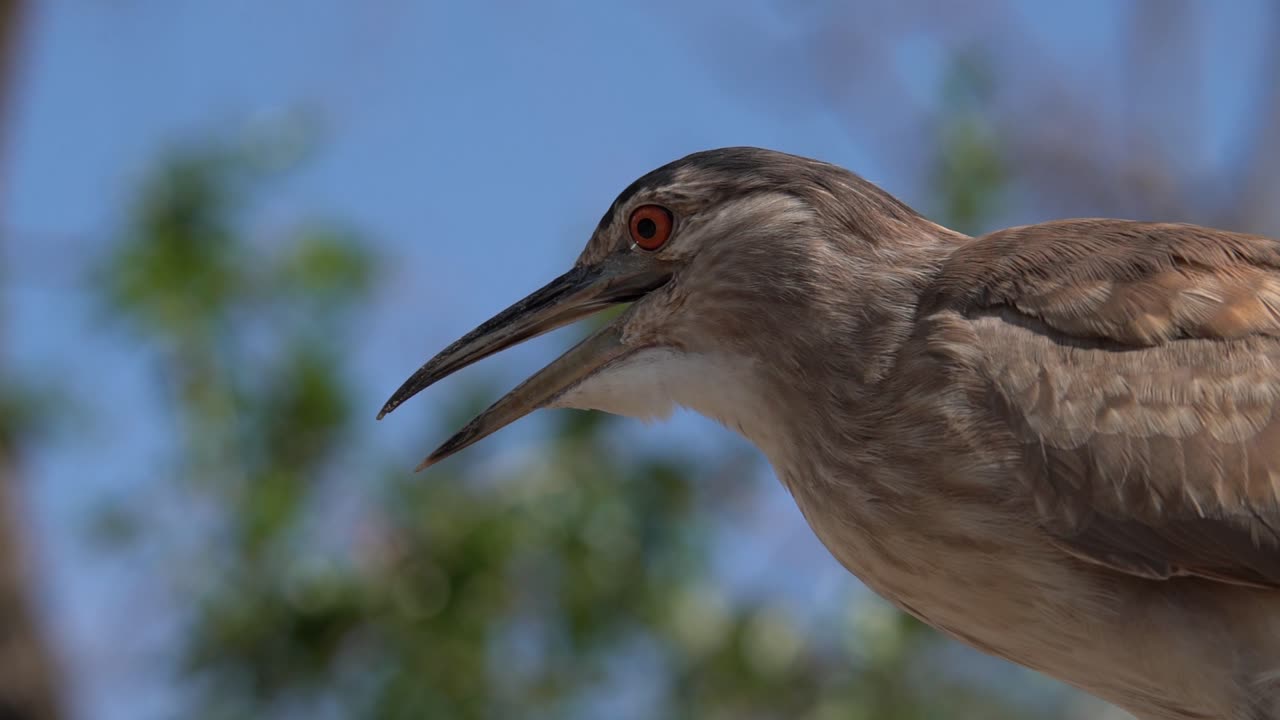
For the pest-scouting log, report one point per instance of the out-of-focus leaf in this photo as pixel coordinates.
(326, 264)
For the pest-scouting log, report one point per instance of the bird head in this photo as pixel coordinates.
(722, 255)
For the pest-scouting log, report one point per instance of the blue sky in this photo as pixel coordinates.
(477, 143)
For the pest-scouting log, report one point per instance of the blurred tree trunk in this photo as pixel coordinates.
(27, 674)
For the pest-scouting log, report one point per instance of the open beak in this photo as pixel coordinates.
(583, 291)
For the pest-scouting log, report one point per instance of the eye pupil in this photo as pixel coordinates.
(647, 228)
(650, 226)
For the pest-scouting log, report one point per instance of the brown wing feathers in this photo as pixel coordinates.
(1128, 282)
(1139, 365)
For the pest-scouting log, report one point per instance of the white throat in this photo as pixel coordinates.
(650, 383)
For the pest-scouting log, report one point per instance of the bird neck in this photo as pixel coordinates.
(820, 358)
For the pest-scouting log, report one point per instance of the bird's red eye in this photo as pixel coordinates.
(650, 226)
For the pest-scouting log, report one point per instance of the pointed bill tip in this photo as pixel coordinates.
(440, 454)
(419, 381)
(387, 407)
(583, 359)
(461, 439)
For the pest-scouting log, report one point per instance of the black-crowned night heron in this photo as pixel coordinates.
(1058, 443)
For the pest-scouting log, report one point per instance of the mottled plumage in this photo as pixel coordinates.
(1139, 365)
(1057, 443)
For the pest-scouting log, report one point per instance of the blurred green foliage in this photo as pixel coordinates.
(969, 174)
(24, 412)
(573, 583)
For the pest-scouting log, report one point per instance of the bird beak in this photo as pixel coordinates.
(583, 291)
